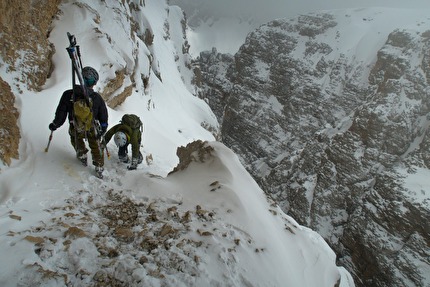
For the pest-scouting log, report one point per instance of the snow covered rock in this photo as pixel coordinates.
(207, 224)
(330, 112)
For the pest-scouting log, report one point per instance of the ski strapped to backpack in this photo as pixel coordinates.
(82, 109)
(75, 56)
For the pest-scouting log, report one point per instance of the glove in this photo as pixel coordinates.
(133, 164)
(102, 130)
(52, 127)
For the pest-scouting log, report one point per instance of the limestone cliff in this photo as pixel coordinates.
(25, 27)
(330, 114)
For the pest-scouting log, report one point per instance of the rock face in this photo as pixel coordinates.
(9, 131)
(335, 133)
(211, 74)
(25, 27)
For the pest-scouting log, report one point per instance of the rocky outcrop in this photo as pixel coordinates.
(25, 27)
(334, 139)
(113, 85)
(196, 151)
(9, 130)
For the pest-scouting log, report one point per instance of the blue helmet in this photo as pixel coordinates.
(90, 76)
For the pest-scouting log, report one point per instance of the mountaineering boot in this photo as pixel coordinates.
(133, 164)
(124, 158)
(99, 171)
(83, 159)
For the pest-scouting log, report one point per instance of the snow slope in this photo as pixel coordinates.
(208, 225)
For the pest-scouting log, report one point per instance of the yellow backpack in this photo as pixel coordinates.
(83, 115)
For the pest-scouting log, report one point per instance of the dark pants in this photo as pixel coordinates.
(78, 143)
(123, 151)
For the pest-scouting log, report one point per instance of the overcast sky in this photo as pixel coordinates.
(228, 34)
(271, 9)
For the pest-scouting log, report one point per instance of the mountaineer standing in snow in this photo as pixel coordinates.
(128, 131)
(86, 120)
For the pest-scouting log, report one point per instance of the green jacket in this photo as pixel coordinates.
(134, 137)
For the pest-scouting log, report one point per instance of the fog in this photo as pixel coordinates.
(271, 9)
(224, 24)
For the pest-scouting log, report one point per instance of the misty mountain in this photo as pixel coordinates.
(330, 112)
(189, 215)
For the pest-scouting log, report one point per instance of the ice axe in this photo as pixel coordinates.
(49, 142)
(103, 146)
(107, 152)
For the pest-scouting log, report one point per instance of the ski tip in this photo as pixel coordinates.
(72, 39)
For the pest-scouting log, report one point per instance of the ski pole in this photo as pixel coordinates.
(49, 142)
